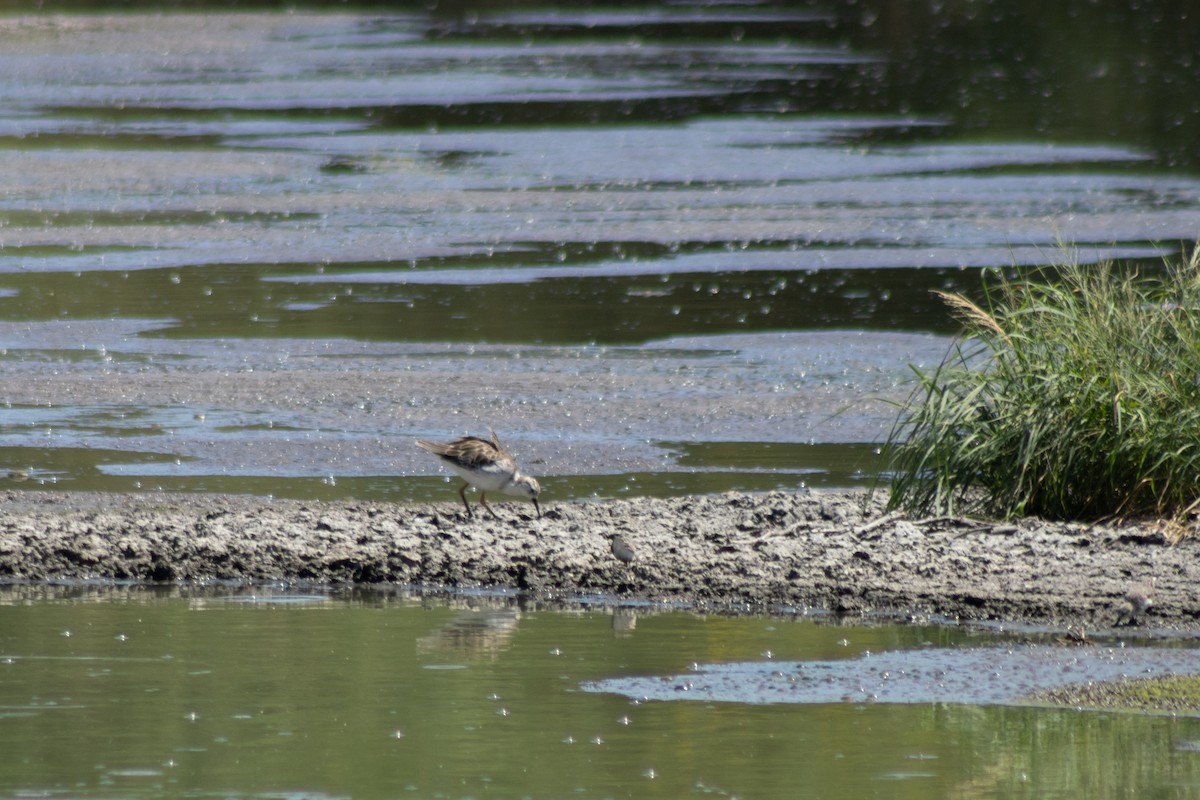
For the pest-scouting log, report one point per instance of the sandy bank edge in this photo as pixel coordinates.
(817, 550)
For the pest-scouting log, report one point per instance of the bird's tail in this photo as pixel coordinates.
(432, 447)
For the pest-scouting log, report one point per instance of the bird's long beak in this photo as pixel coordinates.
(539, 508)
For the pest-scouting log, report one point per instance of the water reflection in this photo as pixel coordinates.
(474, 634)
(624, 622)
(264, 690)
(1078, 71)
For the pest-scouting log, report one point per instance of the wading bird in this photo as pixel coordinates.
(484, 464)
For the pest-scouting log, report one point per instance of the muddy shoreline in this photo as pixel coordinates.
(819, 551)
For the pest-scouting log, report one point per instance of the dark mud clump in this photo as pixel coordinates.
(830, 551)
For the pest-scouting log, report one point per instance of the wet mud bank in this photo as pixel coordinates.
(820, 551)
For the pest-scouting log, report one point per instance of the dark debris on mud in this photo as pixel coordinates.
(829, 551)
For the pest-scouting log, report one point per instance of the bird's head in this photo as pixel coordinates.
(528, 487)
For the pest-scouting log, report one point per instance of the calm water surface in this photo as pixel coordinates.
(220, 693)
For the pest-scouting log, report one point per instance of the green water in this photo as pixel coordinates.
(216, 693)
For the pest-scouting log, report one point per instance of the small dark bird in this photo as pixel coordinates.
(621, 548)
(483, 463)
(1139, 601)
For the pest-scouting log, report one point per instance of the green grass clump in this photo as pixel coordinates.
(1072, 394)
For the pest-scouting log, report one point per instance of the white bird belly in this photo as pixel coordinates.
(488, 479)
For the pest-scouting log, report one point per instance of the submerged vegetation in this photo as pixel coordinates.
(1073, 393)
(1174, 694)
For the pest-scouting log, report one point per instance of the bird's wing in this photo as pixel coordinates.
(471, 451)
(496, 442)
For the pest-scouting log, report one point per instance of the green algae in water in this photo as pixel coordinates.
(1174, 694)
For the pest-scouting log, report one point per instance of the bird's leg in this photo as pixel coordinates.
(483, 502)
(462, 492)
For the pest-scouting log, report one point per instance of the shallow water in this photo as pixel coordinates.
(264, 251)
(127, 692)
(1005, 674)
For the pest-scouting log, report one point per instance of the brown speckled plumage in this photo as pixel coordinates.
(485, 464)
